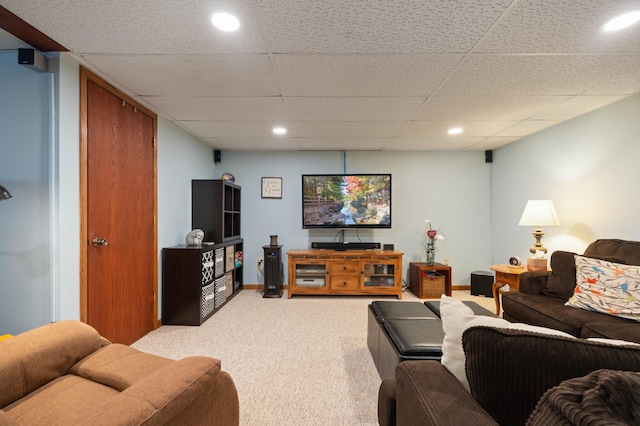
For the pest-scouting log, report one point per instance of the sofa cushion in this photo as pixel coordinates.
(34, 358)
(620, 329)
(509, 370)
(627, 251)
(119, 366)
(601, 397)
(456, 318)
(562, 279)
(190, 391)
(60, 402)
(550, 312)
(607, 287)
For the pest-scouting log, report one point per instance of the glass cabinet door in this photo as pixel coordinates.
(378, 274)
(311, 275)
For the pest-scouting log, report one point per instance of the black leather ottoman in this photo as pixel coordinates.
(408, 339)
(399, 331)
(381, 311)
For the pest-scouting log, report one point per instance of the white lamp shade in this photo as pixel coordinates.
(539, 213)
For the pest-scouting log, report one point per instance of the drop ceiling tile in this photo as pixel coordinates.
(346, 129)
(352, 72)
(526, 128)
(535, 75)
(576, 106)
(485, 107)
(376, 26)
(342, 144)
(141, 26)
(233, 129)
(430, 144)
(220, 108)
(190, 75)
(560, 26)
(253, 144)
(438, 129)
(363, 75)
(353, 109)
(626, 84)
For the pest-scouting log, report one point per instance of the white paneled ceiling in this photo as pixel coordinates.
(352, 74)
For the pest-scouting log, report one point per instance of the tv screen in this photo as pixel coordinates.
(346, 201)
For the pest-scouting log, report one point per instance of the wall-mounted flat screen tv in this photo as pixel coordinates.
(346, 201)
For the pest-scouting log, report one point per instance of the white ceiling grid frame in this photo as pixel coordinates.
(351, 70)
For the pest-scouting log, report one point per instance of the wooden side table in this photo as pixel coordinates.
(505, 274)
(415, 276)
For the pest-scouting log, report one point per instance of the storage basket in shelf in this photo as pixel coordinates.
(432, 285)
(207, 302)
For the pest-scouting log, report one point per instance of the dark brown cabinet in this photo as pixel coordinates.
(216, 209)
(197, 281)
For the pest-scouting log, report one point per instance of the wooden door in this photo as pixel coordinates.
(120, 243)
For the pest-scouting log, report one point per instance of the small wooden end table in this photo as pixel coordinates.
(505, 274)
(415, 276)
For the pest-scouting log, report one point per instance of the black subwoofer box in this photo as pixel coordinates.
(481, 282)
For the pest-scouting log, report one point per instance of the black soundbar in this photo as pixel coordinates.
(345, 246)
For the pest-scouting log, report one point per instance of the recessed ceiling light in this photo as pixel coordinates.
(279, 130)
(622, 21)
(225, 21)
(455, 131)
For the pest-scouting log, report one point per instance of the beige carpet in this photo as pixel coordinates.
(299, 361)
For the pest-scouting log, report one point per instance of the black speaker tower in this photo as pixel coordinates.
(217, 156)
(488, 156)
(272, 271)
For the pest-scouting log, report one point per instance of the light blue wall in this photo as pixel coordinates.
(25, 240)
(449, 188)
(180, 159)
(588, 166)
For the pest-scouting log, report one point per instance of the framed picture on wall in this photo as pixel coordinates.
(271, 187)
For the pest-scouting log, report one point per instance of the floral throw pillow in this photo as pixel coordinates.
(607, 287)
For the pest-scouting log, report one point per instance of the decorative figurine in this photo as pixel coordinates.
(195, 237)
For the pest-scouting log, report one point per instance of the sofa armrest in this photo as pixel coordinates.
(427, 393)
(191, 391)
(533, 282)
(509, 369)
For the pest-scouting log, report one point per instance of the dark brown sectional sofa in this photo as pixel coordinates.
(542, 295)
(521, 377)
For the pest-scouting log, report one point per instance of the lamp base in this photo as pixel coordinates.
(536, 264)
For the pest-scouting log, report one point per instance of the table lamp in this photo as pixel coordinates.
(4, 193)
(538, 213)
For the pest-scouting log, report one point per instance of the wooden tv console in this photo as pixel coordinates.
(350, 272)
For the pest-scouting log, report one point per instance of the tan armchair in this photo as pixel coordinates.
(66, 374)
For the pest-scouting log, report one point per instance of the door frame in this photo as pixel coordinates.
(85, 76)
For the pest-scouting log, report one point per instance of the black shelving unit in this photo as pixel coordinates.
(197, 281)
(216, 209)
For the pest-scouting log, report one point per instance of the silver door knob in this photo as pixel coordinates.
(100, 242)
